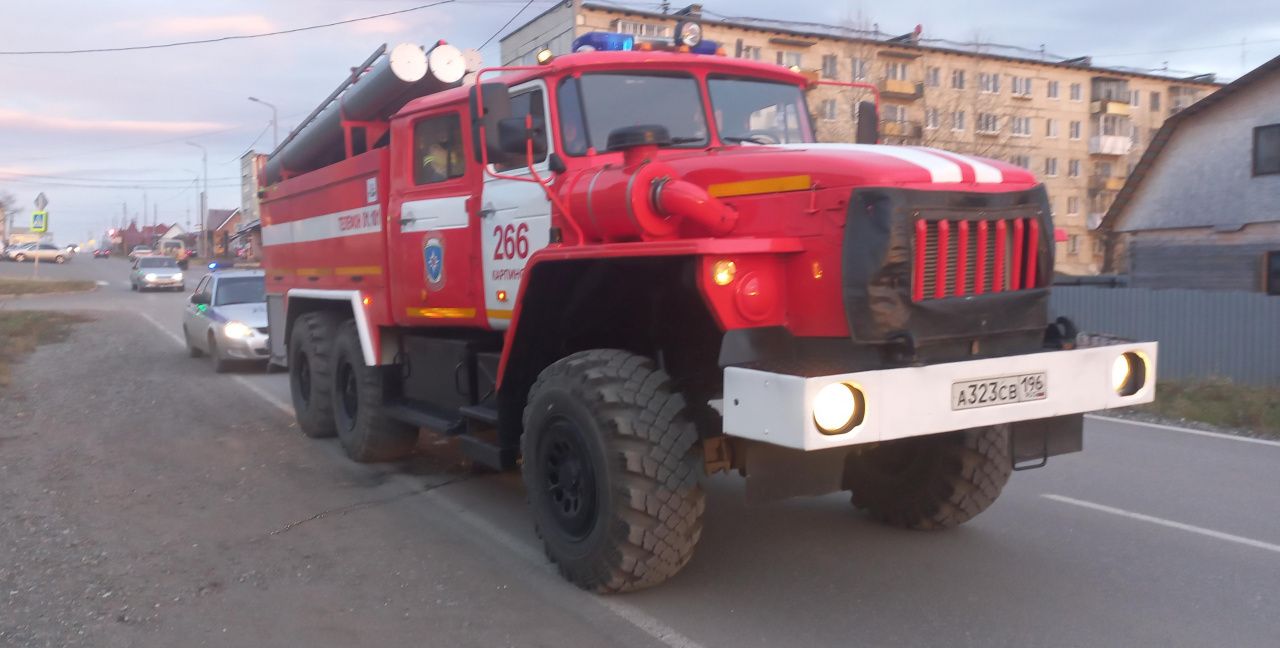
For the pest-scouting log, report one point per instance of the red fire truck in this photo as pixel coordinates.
(628, 267)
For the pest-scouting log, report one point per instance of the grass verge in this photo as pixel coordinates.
(9, 286)
(22, 331)
(1219, 403)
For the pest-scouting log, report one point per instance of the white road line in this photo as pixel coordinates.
(1249, 542)
(647, 624)
(102, 283)
(284, 407)
(1174, 428)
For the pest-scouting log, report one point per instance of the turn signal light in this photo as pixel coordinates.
(723, 272)
(838, 408)
(1128, 373)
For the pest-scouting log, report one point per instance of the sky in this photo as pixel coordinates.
(100, 133)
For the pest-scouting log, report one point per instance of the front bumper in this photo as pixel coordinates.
(163, 282)
(915, 401)
(253, 347)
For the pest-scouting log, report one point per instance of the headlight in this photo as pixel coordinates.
(1128, 373)
(688, 34)
(237, 330)
(150, 276)
(177, 276)
(838, 408)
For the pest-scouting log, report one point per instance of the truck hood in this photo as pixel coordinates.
(863, 165)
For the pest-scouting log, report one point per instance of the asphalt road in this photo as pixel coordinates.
(134, 476)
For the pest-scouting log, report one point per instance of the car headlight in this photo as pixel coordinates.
(237, 330)
(1128, 373)
(150, 276)
(838, 408)
(177, 276)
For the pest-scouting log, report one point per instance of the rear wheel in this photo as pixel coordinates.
(931, 482)
(366, 432)
(611, 471)
(310, 373)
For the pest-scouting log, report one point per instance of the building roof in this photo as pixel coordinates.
(222, 217)
(835, 32)
(1170, 128)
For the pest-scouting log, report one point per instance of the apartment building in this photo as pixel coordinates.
(1079, 127)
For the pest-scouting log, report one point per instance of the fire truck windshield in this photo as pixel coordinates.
(597, 104)
(751, 111)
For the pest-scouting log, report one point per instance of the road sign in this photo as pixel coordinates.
(41, 202)
(40, 221)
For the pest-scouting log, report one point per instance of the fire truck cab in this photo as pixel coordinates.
(624, 268)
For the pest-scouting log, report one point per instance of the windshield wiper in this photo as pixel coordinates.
(687, 140)
(750, 138)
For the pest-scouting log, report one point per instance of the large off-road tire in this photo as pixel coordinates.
(359, 413)
(311, 373)
(611, 471)
(931, 482)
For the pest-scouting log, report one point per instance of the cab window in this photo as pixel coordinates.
(528, 102)
(437, 150)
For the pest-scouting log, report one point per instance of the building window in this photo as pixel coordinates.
(957, 79)
(896, 70)
(1135, 98)
(933, 77)
(1073, 244)
(1053, 89)
(989, 83)
(829, 66)
(1051, 128)
(895, 113)
(1135, 139)
(1155, 101)
(790, 59)
(1020, 160)
(751, 52)
(643, 30)
(859, 69)
(1076, 92)
(1073, 168)
(1051, 167)
(1266, 150)
(1073, 130)
(931, 118)
(828, 109)
(1021, 85)
(1271, 270)
(988, 123)
(1021, 126)
(1073, 204)
(957, 120)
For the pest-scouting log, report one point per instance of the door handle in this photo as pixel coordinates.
(487, 212)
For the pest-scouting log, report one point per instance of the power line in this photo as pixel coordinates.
(222, 39)
(506, 24)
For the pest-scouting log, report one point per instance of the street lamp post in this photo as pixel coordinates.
(204, 199)
(275, 132)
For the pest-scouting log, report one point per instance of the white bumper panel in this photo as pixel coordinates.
(915, 401)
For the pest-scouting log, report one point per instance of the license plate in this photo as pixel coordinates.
(969, 394)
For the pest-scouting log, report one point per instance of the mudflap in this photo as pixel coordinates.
(775, 473)
(1031, 443)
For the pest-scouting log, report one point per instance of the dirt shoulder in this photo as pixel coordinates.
(22, 331)
(10, 287)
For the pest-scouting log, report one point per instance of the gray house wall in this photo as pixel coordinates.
(1204, 175)
(553, 29)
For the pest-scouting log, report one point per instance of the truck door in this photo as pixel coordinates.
(515, 216)
(432, 247)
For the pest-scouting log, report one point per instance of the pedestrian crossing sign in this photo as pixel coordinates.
(40, 221)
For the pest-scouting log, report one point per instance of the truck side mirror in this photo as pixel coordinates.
(497, 106)
(514, 136)
(868, 124)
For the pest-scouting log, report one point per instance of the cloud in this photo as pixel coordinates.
(211, 25)
(385, 25)
(26, 120)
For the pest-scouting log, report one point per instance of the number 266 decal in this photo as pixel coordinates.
(512, 241)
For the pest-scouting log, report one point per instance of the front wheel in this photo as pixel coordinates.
(366, 432)
(931, 482)
(59, 259)
(611, 471)
(20, 258)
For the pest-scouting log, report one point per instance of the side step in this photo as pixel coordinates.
(480, 444)
(421, 416)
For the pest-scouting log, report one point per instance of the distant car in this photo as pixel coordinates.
(102, 253)
(226, 318)
(140, 251)
(39, 251)
(156, 272)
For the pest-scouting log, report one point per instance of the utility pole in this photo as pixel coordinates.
(204, 199)
(275, 132)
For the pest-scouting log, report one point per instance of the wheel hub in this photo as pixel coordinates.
(304, 377)
(350, 398)
(569, 479)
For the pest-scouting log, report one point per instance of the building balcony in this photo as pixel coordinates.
(904, 129)
(1105, 183)
(900, 89)
(1109, 145)
(1110, 107)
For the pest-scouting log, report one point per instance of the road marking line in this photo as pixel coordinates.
(1250, 542)
(102, 283)
(276, 402)
(627, 612)
(1174, 428)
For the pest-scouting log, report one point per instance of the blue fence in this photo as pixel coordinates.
(1202, 334)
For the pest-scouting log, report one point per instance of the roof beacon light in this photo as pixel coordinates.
(604, 42)
(544, 56)
(689, 34)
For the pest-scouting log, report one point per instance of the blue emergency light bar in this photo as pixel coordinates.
(614, 42)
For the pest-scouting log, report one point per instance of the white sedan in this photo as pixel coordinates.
(226, 318)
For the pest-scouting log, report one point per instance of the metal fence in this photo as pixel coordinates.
(1202, 334)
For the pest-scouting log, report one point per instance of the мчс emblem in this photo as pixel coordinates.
(433, 262)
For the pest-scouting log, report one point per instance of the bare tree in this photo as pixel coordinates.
(9, 210)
